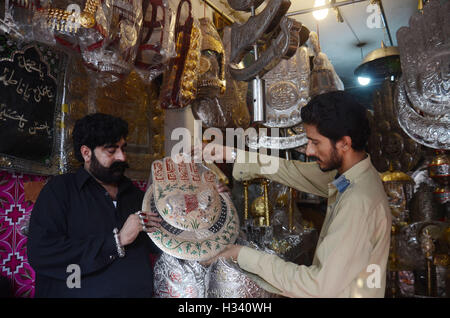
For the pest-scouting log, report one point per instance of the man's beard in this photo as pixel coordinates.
(334, 162)
(111, 175)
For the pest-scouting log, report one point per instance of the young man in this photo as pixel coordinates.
(352, 251)
(71, 243)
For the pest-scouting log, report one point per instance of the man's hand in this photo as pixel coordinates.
(213, 152)
(222, 188)
(152, 221)
(136, 223)
(230, 253)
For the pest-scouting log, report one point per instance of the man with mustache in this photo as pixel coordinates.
(352, 251)
(87, 235)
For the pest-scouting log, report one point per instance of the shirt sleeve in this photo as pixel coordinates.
(303, 176)
(49, 247)
(342, 254)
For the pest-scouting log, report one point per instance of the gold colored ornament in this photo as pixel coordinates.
(399, 189)
(87, 20)
(261, 210)
(246, 184)
(63, 20)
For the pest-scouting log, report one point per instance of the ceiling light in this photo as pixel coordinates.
(320, 14)
(363, 80)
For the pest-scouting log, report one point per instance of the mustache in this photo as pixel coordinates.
(119, 166)
(313, 158)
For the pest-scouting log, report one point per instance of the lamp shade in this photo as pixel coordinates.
(380, 63)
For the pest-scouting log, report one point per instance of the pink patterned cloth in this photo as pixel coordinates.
(13, 210)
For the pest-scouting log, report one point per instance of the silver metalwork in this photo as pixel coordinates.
(245, 35)
(287, 90)
(423, 99)
(226, 280)
(177, 278)
(245, 5)
(276, 142)
(258, 100)
(428, 131)
(120, 248)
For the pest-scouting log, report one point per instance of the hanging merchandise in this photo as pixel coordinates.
(439, 171)
(323, 77)
(422, 101)
(198, 222)
(245, 5)
(221, 101)
(281, 37)
(287, 90)
(65, 23)
(105, 33)
(156, 40)
(423, 205)
(119, 23)
(19, 20)
(388, 144)
(399, 190)
(179, 85)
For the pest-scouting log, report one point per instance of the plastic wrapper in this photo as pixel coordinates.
(399, 194)
(18, 16)
(290, 244)
(105, 34)
(410, 254)
(157, 45)
(177, 278)
(179, 87)
(220, 99)
(423, 206)
(323, 77)
(114, 49)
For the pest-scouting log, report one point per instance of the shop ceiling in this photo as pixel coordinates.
(347, 42)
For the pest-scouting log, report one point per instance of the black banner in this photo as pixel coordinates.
(28, 99)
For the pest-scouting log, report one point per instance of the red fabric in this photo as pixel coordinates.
(13, 210)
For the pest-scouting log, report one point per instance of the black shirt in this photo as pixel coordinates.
(72, 222)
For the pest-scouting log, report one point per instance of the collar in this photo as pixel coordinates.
(82, 176)
(341, 182)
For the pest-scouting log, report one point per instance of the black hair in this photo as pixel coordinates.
(95, 130)
(337, 114)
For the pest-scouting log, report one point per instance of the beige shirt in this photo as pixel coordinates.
(352, 251)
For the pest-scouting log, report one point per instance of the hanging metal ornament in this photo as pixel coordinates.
(287, 90)
(423, 99)
(388, 143)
